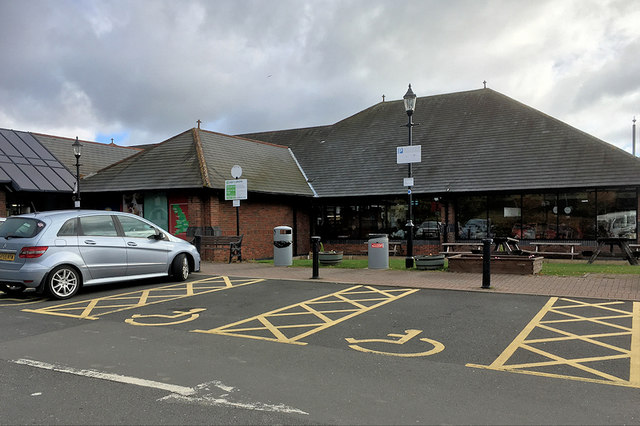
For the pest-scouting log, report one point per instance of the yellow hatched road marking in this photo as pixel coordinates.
(339, 306)
(559, 312)
(94, 308)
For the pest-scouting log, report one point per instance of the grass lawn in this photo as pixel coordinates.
(549, 267)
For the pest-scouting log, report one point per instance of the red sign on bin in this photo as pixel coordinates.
(377, 245)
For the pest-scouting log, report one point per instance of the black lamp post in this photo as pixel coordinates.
(77, 151)
(409, 106)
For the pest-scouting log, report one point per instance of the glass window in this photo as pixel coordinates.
(397, 219)
(617, 214)
(538, 218)
(471, 216)
(427, 218)
(505, 213)
(136, 228)
(98, 226)
(575, 212)
(339, 222)
(373, 219)
(19, 227)
(69, 229)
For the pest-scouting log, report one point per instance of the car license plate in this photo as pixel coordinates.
(7, 256)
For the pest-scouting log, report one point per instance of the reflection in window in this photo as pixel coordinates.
(471, 215)
(617, 214)
(538, 218)
(575, 215)
(505, 213)
(98, 226)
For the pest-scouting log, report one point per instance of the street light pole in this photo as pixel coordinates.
(409, 106)
(77, 151)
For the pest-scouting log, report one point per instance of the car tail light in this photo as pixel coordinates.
(32, 252)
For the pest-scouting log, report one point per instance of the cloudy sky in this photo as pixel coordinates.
(141, 71)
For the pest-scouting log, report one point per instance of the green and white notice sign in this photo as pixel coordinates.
(235, 189)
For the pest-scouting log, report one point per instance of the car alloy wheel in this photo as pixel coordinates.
(63, 282)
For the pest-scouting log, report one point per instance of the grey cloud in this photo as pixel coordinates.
(153, 67)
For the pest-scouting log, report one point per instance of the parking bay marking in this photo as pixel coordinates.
(320, 313)
(613, 325)
(94, 308)
(20, 302)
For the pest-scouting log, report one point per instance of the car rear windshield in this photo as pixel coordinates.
(20, 227)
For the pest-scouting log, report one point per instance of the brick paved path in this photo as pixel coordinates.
(598, 286)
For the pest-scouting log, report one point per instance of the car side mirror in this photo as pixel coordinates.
(157, 236)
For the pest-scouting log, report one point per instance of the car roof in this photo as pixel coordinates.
(66, 214)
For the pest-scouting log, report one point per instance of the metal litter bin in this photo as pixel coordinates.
(378, 251)
(282, 246)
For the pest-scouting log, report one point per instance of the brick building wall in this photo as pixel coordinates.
(3, 204)
(257, 218)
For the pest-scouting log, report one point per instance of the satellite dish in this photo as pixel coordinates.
(236, 171)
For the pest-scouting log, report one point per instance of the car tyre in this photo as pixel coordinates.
(180, 267)
(63, 282)
(12, 289)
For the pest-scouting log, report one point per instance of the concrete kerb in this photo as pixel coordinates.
(594, 286)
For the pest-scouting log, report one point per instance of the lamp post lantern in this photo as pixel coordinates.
(77, 151)
(409, 106)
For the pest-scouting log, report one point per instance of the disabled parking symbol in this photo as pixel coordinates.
(397, 339)
(178, 317)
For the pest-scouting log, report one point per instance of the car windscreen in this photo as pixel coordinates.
(21, 227)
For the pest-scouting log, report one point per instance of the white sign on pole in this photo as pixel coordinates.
(236, 203)
(236, 172)
(408, 181)
(409, 154)
(235, 189)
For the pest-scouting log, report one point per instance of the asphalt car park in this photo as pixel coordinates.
(263, 351)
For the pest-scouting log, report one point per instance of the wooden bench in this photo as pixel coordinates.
(449, 246)
(571, 246)
(231, 242)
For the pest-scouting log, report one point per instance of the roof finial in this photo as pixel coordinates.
(198, 121)
(485, 84)
(112, 141)
(383, 98)
(633, 137)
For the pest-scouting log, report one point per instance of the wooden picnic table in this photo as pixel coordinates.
(623, 243)
(569, 245)
(506, 244)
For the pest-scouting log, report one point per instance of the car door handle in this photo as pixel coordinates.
(131, 244)
(90, 242)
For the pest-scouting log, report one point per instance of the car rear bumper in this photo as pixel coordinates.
(29, 275)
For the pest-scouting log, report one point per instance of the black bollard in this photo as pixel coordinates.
(315, 248)
(486, 262)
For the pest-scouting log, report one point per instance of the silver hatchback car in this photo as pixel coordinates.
(60, 251)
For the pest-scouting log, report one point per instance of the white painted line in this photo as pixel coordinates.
(180, 390)
(206, 397)
(179, 393)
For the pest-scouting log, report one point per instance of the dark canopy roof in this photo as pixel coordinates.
(29, 166)
(198, 158)
(471, 141)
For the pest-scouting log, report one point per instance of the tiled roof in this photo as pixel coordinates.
(478, 140)
(95, 156)
(27, 165)
(198, 158)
